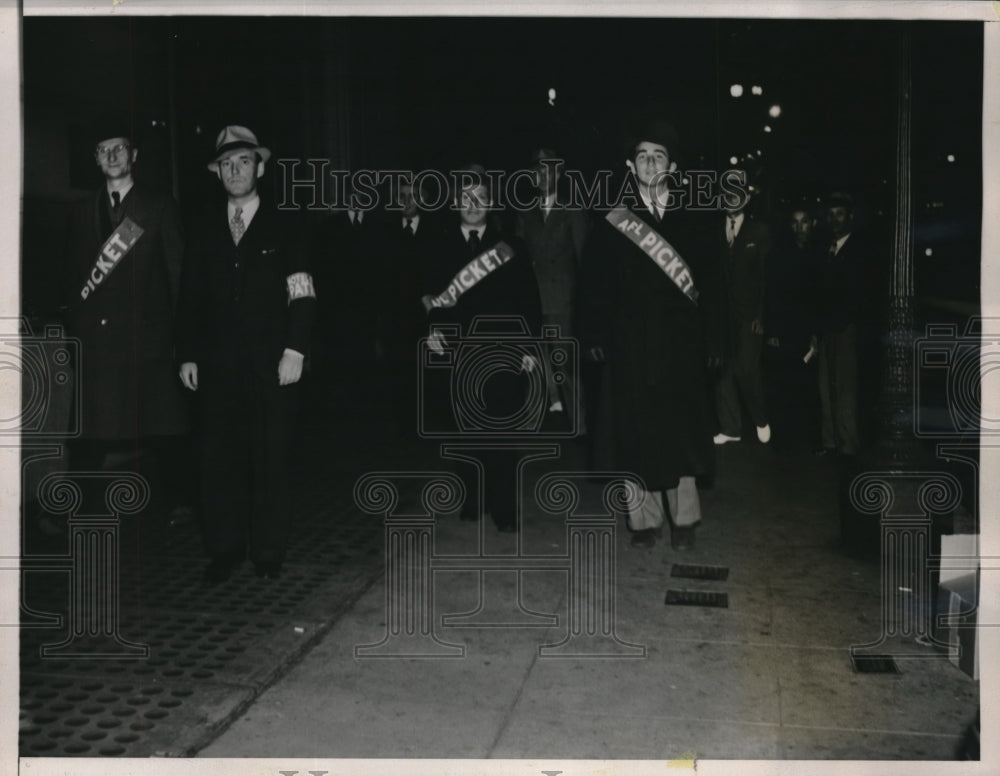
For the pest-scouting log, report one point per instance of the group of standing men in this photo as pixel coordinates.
(226, 312)
(645, 289)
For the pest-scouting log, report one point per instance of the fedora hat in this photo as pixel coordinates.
(233, 138)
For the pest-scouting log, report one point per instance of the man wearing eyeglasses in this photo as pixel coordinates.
(121, 284)
(247, 309)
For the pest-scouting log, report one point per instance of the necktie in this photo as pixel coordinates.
(833, 248)
(116, 201)
(237, 227)
(474, 239)
(731, 230)
(408, 229)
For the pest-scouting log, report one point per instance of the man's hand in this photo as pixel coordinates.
(772, 342)
(290, 367)
(597, 355)
(528, 363)
(189, 375)
(756, 326)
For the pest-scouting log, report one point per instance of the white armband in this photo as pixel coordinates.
(300, 285)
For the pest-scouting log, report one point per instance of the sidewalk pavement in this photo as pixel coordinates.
(769, 676)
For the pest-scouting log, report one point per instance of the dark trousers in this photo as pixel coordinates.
(246, 438)
(792, 396)
(838, 390)
(741, 375)
(498, 477)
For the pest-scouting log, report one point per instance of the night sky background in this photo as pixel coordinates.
(421, 93)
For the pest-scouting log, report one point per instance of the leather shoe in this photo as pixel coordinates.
(682, 537)
(645, 538)
(267, 570)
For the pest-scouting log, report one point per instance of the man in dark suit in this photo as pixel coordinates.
(123, 266)
(247, 309)
(476, 270)
(407, 239)
(745, 244)
(349, 269)
(649, 304)
(555, 234)
(789, 333)
(841, 291)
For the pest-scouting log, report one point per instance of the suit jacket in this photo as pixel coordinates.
(744, 264)
(406, 257)
(842, 286)
(126, 375)
(236, 315)
(791, 294)
(556, 246)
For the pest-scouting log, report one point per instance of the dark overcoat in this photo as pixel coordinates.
(127, 375)
(654, 417)
(510, 290)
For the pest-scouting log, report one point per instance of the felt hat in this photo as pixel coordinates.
(234, 138)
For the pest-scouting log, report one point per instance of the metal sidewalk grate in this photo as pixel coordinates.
(874, 664)
(697, 598)
(720, 573)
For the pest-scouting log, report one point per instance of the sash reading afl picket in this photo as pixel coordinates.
(122, 240)
(658, 249)
(477, 269)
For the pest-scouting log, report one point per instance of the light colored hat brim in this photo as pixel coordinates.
(261, 151)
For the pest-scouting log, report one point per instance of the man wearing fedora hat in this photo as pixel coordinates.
(121, 282)
(648, 302)
(247, 308)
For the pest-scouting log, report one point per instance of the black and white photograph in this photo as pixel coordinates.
(542, 389)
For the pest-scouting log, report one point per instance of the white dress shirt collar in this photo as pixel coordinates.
(466, 229)
(840, 243)
(122, 192)
(249, 210)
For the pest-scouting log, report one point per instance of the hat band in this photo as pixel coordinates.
(235, 145)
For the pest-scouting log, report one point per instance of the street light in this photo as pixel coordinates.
(774, 111)
(552, 96)
(767, 128)
(951, 157)
(733, 160)
(736, 90)
(757, 90)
